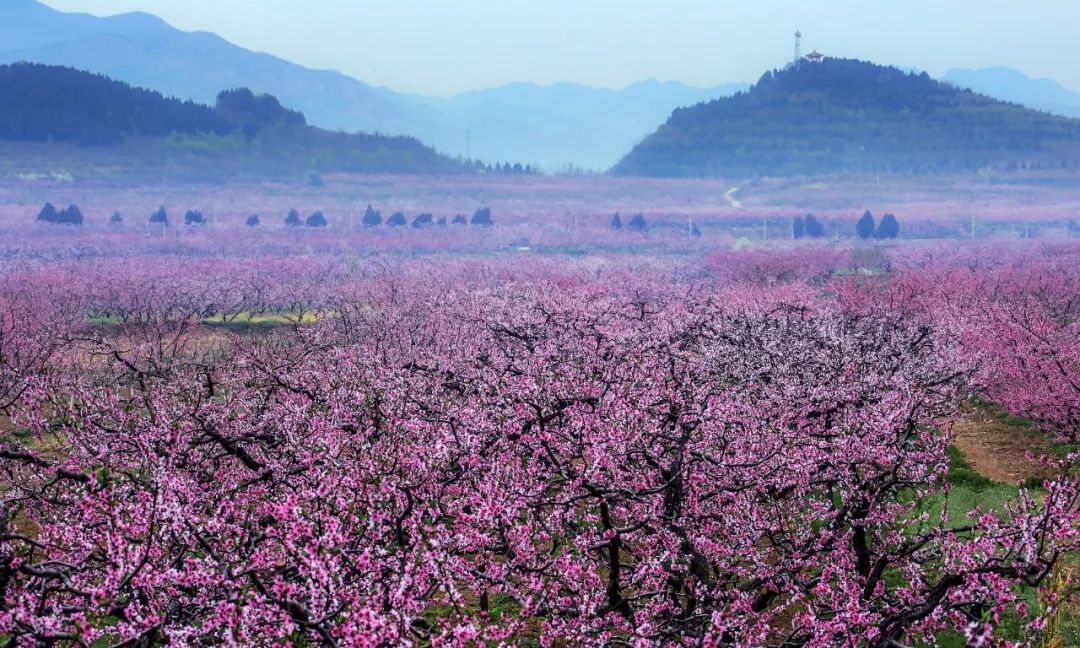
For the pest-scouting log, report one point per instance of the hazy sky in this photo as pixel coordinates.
(444, 46)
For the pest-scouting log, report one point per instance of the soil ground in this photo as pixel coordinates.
(1004, 450)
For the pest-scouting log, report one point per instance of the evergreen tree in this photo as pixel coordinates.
(459, 220)
(397, 219)
(694, 231)
(616, 221)
(814, 228)
(316, 220)
(371, 218)
(293, 219)
(865, 227)
(637, 223)
(252, 221)
(194, 218)
(423, 220)
(160, 217)
(48, 214)
(482, 217)
(70, 216)
(888, 228)
(116, 218)
(798, 227)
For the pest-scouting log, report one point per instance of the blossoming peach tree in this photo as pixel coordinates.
(604, 458)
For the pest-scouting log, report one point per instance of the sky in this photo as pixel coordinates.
(440, 47)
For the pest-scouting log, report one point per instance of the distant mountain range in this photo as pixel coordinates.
(562, 125)
(844, 116)
(1008, 84)
(558, 127)
(555, 126)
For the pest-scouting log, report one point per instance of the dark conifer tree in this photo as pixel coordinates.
(371, 218)
(865, 227)
(482, 217)
(814, 228)
(48, 214)
(889, 227)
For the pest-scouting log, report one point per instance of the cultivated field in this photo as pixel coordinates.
(690, 429)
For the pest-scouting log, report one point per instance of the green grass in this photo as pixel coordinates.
(243, 320)
(962, 474)
(266, 320)
(969, 490)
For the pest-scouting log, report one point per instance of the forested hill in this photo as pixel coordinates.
(51, 103)
(82, 118)
(843, 115)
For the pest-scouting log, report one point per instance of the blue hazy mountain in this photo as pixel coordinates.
(1012, 85)
(565, 124)
(554, 126)
(145, 51)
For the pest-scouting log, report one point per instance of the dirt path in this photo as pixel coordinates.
(729, 196)
(998, 449)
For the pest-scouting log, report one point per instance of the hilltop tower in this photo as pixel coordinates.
(798, 46)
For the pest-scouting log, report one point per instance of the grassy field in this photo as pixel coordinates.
(970, 488)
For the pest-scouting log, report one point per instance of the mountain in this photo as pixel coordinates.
(554, 126)
(565, 124)
(55, 104)
(1012, 85)
(144, 51)
(843, 115)
(88, 121)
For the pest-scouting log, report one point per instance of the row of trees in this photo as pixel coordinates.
(635, 223)
(68, 216)
(801, 226)
(371, 218)
(807, 227)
